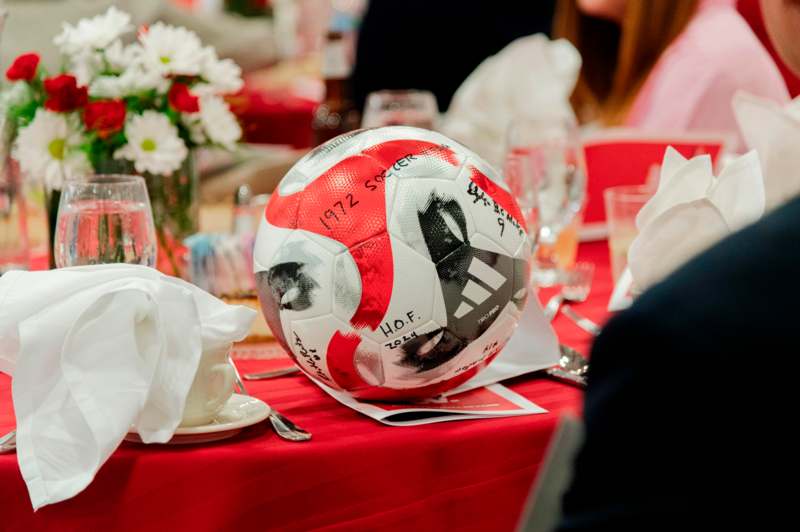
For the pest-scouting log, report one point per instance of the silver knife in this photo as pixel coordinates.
(271, 374)
(584, 323)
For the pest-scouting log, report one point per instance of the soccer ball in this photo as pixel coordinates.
(392, 263)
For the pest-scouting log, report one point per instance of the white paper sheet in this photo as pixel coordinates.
(485, 402)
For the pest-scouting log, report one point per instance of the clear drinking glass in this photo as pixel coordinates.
(401, 108)
(544, 169)
(105, 219)
(622, 204)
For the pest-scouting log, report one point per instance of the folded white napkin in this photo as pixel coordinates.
(94, 351)
(531, 78)
(773, 130)
(690, 211)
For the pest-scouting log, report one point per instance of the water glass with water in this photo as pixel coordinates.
(105, 219)
(545, 171)
(622, 205)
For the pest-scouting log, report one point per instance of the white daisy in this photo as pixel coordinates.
(85, 66)
(132, 81)
(119, 57)
(219, 122)
(48, 148)
(94, 33)
(115, 60)
(171, 50)
(153, 144)
(222, 76)
(194, 125)
(128, 74)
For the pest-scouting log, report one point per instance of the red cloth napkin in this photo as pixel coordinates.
(268, 118)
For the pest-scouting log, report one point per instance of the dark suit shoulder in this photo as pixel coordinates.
(723, 295)
(675, 382)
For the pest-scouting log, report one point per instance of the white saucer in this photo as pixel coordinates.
(239, 412)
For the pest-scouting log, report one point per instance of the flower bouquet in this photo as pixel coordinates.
(138, 108)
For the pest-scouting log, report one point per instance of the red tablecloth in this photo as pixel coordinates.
(354, 474)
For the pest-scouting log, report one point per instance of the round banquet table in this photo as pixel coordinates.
(355, 474)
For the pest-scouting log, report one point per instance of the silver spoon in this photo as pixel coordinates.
(283, 426)
(572, 367)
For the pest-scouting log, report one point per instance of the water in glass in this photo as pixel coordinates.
(105, 220)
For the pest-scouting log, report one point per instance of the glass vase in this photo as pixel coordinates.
(14, 248)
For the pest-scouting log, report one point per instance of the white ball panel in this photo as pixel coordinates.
(491, 220)
(369, 363)
(413, 198)
(308, 340)
(314, 293)
(346, 286)
(412, 294)
(269, 240)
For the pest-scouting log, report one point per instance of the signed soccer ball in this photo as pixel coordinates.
(392, 263)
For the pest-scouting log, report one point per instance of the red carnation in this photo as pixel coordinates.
(23, 67)
(104, 116)
(181, 99)
(63, 93)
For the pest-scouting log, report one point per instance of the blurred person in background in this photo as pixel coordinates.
(686, 425)
(31, 25)
(435, 45)
(665, 65)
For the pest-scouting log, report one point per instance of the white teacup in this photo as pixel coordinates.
(211, 389)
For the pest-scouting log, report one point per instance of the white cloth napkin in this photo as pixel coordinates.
(94, 351)
(531, 78)
(773, 130)
(690, 211)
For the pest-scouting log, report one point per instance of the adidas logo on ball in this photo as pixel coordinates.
(475, 292)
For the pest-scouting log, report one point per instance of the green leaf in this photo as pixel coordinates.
(23, 114)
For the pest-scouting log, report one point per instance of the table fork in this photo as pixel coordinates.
(283, 426)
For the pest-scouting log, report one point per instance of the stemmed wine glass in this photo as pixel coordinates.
(401, 108)
(105, 219)
(544, 170)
